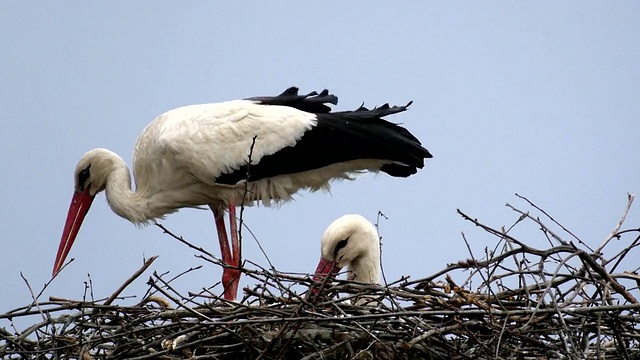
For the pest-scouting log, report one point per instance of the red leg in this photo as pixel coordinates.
(230, 277)
(234, 275)
(222, 235)
(233, 225)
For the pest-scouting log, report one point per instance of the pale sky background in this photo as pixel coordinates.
(538, 98)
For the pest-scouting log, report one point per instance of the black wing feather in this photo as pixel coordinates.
(340, 137)
(311, 102)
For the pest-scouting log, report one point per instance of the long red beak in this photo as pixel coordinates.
(325, 268)
(80, 204)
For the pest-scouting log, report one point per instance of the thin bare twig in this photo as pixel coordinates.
(614, 233)
(127, 282)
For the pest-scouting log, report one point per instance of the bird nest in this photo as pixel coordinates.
(564, 300)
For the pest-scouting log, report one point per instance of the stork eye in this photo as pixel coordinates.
(83, 176)
(340, 245)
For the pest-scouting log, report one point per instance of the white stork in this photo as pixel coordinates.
(350, 241)
(199, 155)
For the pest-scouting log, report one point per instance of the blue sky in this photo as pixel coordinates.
(538, 98)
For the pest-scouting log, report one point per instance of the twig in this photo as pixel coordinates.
(179, 238)
(127, 282)
(244, 196)
(554, 220)
(614, 233)
(33, 297)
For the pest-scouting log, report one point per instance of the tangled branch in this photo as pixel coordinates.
(565, 301)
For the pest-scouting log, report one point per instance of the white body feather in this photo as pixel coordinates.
(180, 154)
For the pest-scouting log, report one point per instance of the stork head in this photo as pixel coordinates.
(350, 241)
(90, 178)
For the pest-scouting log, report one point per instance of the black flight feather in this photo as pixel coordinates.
(311, 102)
(338, 137)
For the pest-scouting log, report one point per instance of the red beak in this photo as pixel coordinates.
(80, 204)
(325, 268)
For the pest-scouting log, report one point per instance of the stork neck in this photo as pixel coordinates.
(121, 198)
(367, 268)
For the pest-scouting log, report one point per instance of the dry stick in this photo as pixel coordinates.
(619, 341)
(4, 334)
(590, 261)
(548, 285)
(362, 327)
(135, 275)
(523, 247)
(599, 290)
(182, 240)
(212, 258)
(441, 330)
(321, 353)
(91, 287)
(244, 196)
(598, 333)
(554, 220)
(485, 280)
(467, 264)
(602, 272)
(519, 264)
(614, 233)
(491, 230)
(545, 229)
(296, 326)
(295, 277)
(384, 277)
(31, 329)
(57, 300)
(380, 213)
(504, 327)
(280, 334)
(35, 299)
(46, 285)
(170, 288)
(561, 320)
(150, 292)
(622, 254)
(537, 221)
(476, 269)
(151, 282)
(281, 287)
(479, 264)
(242, 207)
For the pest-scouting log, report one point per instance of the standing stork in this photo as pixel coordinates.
(257, 149)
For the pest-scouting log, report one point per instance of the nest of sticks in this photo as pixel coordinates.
(565, 301)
